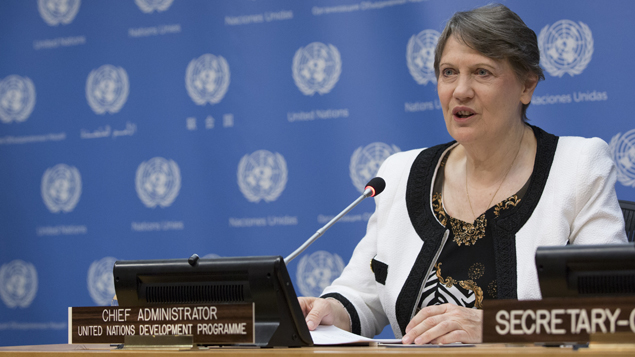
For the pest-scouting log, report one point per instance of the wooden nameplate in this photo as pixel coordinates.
(559, 320)
(207, 324)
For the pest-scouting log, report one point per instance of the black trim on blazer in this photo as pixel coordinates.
(380, 269)
(356, 326)
(504, 228)
(425, 224)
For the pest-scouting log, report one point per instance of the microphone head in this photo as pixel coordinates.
(377, 186)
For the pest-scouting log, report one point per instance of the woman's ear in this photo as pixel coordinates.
(528, 88)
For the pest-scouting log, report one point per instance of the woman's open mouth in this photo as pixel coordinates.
(463, 113)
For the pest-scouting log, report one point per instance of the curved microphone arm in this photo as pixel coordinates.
(367, 193)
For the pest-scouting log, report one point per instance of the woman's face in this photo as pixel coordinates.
(481, 98)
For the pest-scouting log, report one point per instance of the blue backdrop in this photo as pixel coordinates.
(149, 129)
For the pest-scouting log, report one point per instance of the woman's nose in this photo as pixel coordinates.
(463, 90)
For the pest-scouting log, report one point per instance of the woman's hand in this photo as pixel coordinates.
(444, 324)
(318, 311)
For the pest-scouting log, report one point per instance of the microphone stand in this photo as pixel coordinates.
(367, 193)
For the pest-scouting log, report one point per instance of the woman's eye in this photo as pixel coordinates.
(448, 72)
(482, 72)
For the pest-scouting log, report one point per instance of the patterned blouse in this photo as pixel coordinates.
(465, 272)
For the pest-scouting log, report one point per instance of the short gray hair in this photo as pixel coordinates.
(498, 33)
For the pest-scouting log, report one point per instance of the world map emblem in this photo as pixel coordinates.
(149, 6)
(316, 68)
(420, 56)
(317, 271)
(18, 284)
(623, 151)
(207, 79)
(107, 89)
(365, 162)
(55, 12)
(17, 98)
(101, 285)
(158, 182)
(262, 175)
(565, 47)
(61, 188)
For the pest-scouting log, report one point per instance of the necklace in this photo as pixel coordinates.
(499, 185)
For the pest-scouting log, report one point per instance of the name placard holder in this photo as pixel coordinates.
(163, 326)
(560, 320)
(618, 339)
(158, 342)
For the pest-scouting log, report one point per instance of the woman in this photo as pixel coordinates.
(421, 266)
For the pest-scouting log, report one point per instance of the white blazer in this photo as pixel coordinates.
(571, 198)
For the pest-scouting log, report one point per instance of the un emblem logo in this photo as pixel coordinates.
(623, 150)
(107, 89)
(207, 79)
(565, 47)
(17, 98)
(317, 271)
(55, 12)
(61, 188)
(158, 182)
(101, 285)
(18, 283)
(366, 161)
(262, 176)
(149, 6)
(316, 68)
(420, 56)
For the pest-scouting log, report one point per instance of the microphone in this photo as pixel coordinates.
(374, 187)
